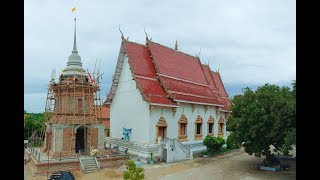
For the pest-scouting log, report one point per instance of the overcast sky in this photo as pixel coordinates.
(253, 42)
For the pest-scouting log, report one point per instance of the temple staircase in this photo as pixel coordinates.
(89, 164)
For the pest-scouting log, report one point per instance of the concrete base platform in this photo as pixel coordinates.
(44, 166)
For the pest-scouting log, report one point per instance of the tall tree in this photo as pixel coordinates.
(264, 117)
(34, 122)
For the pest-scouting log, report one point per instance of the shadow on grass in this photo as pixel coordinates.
(221, 151)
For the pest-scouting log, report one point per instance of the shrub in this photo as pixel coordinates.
(231, 142)
(133, 172)
(213, 143)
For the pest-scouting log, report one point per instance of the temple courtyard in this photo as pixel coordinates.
(233, 165)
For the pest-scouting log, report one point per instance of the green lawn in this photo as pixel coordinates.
(221, 151)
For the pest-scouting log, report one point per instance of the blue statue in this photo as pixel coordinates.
(126, 133)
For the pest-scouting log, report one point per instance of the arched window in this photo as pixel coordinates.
(198, 128)
(210, 126)
(221, 127)
(79, 105)
(182, 128)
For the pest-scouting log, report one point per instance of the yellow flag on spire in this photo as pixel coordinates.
(73, 9)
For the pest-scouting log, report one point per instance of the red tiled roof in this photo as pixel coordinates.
(207, 72)
(104, 115)
(164, 75)
(177, 64)
(222, 91)
(182, 75)
(106, 123)
(145, 74)
(105, 111)
(139, 59)
(186, 87)
(153, 91)
(218, 82)
(196, 100)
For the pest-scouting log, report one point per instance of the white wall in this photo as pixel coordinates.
(128, 109)
(172, 129)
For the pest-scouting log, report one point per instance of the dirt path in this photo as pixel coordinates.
(234, 165)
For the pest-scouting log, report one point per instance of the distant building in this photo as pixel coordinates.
(104, 118)
(158, 92)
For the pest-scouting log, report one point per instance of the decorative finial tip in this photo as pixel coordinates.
(122, 37)
(146, 33)
(176, 45)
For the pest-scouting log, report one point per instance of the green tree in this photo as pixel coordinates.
(34, 122)
(133, 172)
(231, 142)
(289, 140)
(262, 118)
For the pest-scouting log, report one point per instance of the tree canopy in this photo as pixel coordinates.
(133, 172)
(264, 117)
(33, 122)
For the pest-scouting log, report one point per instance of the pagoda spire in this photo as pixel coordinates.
(74, 50)
(74, 65)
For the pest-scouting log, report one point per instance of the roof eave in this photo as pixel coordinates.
(183, 101)
(166, 105)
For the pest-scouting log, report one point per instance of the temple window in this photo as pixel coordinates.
(182, 128)
(220, 127)
(198, 128)
(210, 125)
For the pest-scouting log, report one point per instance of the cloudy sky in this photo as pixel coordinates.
(253, 42)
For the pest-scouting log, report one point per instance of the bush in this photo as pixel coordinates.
(231, 142)
(213, 143)
(132, 172)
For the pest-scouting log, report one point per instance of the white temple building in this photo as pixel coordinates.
(159, 93)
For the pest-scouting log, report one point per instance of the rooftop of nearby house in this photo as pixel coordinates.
(104, 115)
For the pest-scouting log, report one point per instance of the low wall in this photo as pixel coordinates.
(143, 150)
(43, 167)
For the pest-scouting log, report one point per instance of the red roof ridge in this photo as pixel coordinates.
(176, 78)
(222, 83)
(172, 49)
(127, 41)
(188, 94)
(213, 79)
(199, 103)
(203, 70)
(168, 105)
(144, 77)
(146, 95)
(165, 88)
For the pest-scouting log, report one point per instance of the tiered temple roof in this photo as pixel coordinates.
(166, 76)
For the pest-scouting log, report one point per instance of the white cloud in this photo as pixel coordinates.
(252, 41)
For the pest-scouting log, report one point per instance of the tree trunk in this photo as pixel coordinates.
(269, 159)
